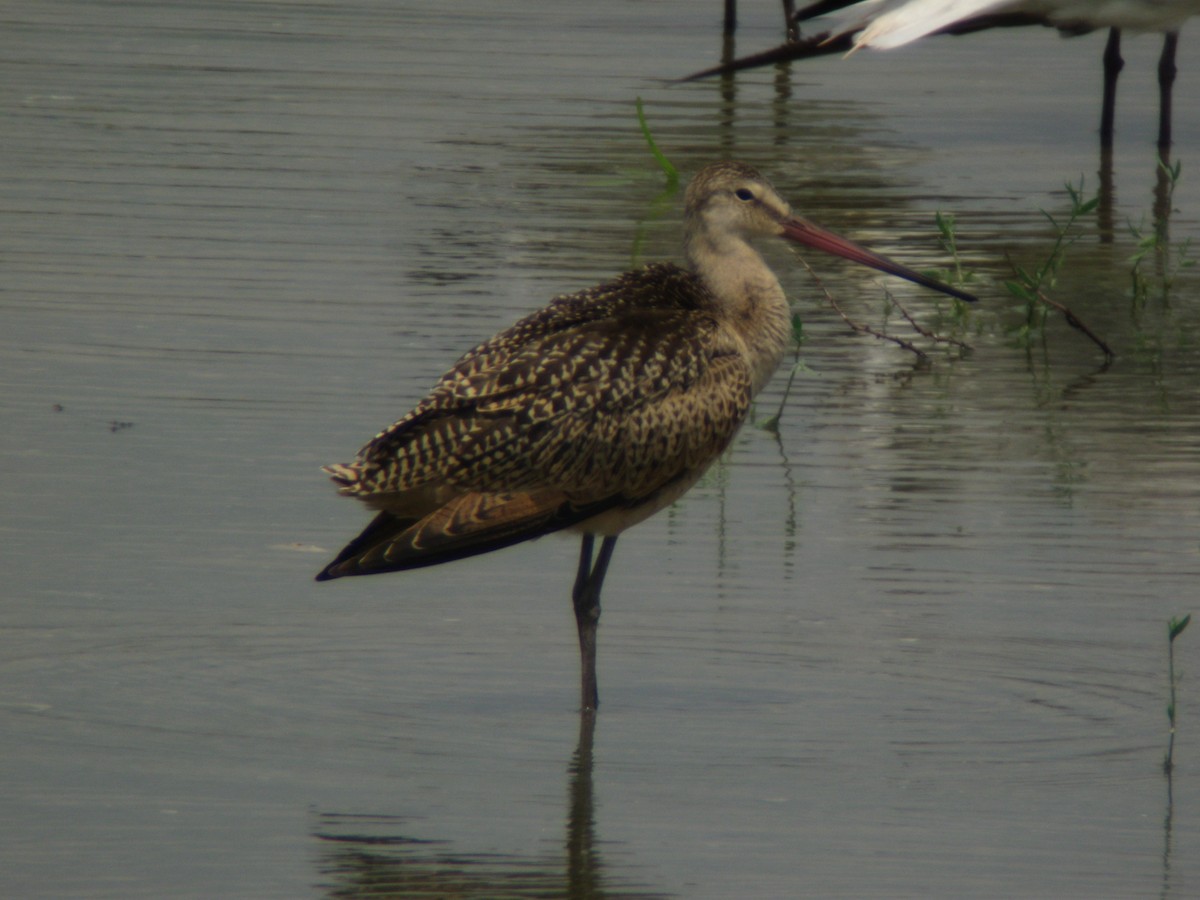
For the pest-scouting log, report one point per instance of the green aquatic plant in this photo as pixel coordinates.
(1031, 286)
(665, 164)
(666, 199)
(947, 227)
(956, 274)
(1174, 629)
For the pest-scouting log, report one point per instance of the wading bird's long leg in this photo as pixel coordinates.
(1166, 80)
(586, 598)
(1113, 64)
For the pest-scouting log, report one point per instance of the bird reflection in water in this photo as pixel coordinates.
(376, 855)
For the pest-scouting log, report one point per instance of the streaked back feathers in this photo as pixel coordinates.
(596, 401)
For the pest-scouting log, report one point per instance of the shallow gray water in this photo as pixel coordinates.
(912, 646)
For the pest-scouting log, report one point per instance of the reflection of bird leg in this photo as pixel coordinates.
(583, 869)
(1106, 195)
(1163, 190)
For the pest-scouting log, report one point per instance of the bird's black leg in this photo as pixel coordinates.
(1113, 64)
(585, 567)
(791, 29)
(1166, 81)
(586, 598)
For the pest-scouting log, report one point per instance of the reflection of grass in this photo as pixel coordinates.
(663, 163)
(1156, 245)
(665, 200)
(771, 423)
(1174, 629)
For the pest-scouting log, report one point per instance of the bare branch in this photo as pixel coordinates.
(867, 329)
(1075, 322)
(925, 332)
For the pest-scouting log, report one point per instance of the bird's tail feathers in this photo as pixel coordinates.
(469, 524)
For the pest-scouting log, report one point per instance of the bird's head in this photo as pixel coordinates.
(731, 200)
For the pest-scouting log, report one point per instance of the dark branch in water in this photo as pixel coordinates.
(1078, 324)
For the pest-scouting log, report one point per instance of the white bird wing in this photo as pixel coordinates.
(886, 24)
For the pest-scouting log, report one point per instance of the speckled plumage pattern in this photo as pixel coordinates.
(596, 401)
(596, 394)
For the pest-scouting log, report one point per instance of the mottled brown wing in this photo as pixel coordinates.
(588, 405)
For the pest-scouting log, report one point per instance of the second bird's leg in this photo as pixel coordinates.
(1166, 80)
(1113, 64)
(586, 599)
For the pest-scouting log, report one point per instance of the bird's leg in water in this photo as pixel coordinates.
(1113, 64)
(586, 598)
(1166, 80)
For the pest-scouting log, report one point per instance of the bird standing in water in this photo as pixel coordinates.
(596, 411)
(838, 26)
(886, 24)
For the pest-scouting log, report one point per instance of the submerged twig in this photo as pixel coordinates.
(860, 327)
(923, 331)
(1029, 285)
(863, 328)
(1078, 324)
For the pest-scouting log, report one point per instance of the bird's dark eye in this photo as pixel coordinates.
(744, 194)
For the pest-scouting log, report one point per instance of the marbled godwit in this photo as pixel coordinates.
(596, 411)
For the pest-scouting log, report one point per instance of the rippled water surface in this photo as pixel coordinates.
(914, 644)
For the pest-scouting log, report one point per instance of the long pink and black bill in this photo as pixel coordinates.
(804, 232)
